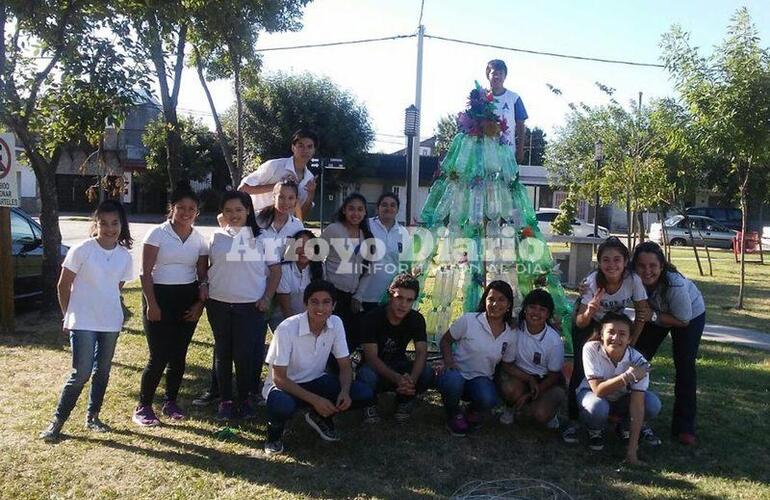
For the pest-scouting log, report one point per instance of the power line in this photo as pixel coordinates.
(550, 54)
(332, 44)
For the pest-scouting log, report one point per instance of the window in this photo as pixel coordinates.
(21, 232)
(547, 216)
(397, 191)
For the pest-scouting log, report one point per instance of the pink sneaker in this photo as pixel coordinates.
(457, 425)
(172, 411)
(144, 416)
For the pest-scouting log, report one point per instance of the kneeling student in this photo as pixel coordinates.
(535, 380)
(297, 357)
(385, 333)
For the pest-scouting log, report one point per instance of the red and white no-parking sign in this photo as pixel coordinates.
(9, 184)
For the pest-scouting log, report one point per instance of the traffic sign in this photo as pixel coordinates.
(9, 183)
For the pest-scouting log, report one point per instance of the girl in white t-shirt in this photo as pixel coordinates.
(242, 279)
(611, 288)
(616, 382)
(471, 350)
(296, 274)
(536, 379)
(93, 272)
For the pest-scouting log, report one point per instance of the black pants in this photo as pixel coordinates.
(579, 337)
(349, 319)
(684, 342)
(168, 340)
(237, 329)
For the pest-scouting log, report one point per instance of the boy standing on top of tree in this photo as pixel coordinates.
(508, 105)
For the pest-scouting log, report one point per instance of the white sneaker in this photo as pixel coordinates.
(553, 424)
(506, 416)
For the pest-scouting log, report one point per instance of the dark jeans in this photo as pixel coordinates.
(342, 308)
(579, 337)
(91, 354)
(168, 340)
(236, 329)
(480, 391)
(377, 383)
(685, 342)
(281, 405)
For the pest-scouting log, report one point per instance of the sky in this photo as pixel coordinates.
(382, 75)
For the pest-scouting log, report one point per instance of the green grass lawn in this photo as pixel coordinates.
(416, 460)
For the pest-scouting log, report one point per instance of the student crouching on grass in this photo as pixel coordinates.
(242, 281)
(536, 379)
(678, 308)
(297, 376)
(471, 350)
(92, 276)
(616, 383)
(174, 257)
(385, 333)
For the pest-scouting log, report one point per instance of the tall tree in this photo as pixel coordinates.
(534, 146)
(61, 81)
(224, 41)
(279, 104)
(727, 96)
(446, 130)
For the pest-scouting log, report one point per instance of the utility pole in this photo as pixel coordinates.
(414, 185)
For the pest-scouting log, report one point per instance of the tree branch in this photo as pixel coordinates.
(179, 62)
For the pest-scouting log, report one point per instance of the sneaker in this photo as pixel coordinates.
(246, 411)
(52, 433)
(570, 434)
(205, 399)
(145, 416)
(93, 424)
(371, 416)
(404, 410)
(224, 411)
(172, 411)
(274, 442)
(648, 437)
(622, 431)
(507, 416)
(596, 439)
(323, 426)
(687, 439)
(553, 424)
(475, 420)
(457, 425)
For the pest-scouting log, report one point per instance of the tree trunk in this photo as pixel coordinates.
(235, 174)
(640, 217)
(744, 216)
(694, 248)
(239, 112)
(629, 220)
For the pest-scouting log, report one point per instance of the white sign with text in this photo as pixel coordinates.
(9, 179)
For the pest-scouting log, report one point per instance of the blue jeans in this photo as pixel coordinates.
(684, 342)
(281, 405)
(377, 383)
(480, 391)
(594, 411)
(91, 354)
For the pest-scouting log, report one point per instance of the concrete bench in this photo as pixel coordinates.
(580, 258)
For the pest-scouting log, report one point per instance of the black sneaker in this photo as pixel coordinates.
(596, 439)
(404, 411)
(570, 434)
(52, 433)
(93, 424)
(246, 411)
(322, 425)
(648, 437)
(371, 416)
(206, 399)
(274, 442)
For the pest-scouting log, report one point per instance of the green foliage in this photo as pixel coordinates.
(562, 224)
(446, 130)
(279, 104)
(534, 146)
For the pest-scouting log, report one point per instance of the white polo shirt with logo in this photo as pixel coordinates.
(541, 353)
(478, 351)
(303, 354)
(598, 366)
(270, 172)
(177, 260)
(275, 239)
(293, 283)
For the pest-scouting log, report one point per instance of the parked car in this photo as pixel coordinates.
(545, 216)
(704, 230)
(728, 217)
(27, 246)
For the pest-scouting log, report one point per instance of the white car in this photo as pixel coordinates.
(545, 216)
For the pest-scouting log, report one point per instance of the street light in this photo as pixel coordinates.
(411, 126)
(598, 158)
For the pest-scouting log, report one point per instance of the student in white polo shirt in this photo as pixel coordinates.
(298, 356)
(616, 382)
(174, 258)
(471, 349)
(242, 278)
(297, 271)
(374, 284)
(537, 381)
(259, 184)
